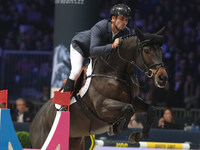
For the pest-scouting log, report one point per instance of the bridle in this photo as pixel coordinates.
(147, 69)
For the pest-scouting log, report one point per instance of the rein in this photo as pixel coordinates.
(147, 69)
(108, 76)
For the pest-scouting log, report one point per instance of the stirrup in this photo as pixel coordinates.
(60, 107)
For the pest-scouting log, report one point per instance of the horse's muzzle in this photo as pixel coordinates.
(161, 77)
(162, 80)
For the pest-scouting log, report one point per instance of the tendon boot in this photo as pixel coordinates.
(69, 85)
(122, 123)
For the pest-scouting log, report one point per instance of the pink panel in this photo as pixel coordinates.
(61, 135)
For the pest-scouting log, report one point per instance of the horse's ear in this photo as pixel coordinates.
(160, 32)
(138, 32)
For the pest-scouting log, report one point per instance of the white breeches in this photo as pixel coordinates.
(76, 63)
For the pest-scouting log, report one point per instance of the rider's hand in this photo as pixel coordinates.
(160, 122)
(115, 43)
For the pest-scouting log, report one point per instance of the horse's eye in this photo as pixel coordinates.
(146, 50)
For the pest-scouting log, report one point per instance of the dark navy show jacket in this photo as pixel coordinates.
(98, 40)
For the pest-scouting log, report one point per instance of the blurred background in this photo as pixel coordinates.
(29, 33)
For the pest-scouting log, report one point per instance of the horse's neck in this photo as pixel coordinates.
(129, 48)
(123, 57)
(112, 63)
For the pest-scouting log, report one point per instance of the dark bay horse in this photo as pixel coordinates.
(112, 97)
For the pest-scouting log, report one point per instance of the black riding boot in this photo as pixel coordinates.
(69, 85)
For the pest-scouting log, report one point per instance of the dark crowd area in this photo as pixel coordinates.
(26, 25)
(181, 48)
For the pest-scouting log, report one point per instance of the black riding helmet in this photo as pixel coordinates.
(121, 9)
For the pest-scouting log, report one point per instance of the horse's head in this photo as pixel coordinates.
(150, 56)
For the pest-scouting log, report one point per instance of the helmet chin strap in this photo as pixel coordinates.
(115, 26)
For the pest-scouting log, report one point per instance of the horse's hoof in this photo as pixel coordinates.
(110, 132)
(135, 137)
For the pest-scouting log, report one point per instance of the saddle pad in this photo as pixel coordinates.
(84, 89)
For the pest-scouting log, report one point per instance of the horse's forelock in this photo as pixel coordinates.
(153, 38)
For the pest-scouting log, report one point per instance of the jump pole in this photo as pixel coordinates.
(163, 145)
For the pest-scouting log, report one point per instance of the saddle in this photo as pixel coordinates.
(97, 125)
(79, 81)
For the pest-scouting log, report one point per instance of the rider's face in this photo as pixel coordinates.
(120, 22)
(167, 115)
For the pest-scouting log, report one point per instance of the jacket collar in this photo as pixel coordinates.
(109, 26)
(109, 31)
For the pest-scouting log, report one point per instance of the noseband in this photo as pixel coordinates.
(147, 69)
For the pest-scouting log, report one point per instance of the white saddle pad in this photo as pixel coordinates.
(84, 89)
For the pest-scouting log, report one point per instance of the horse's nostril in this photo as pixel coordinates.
(162, 78)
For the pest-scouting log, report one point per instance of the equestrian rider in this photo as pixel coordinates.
(101, 39)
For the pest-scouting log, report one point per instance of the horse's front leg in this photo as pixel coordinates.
(76, 143)
(140, 106)
(116, 113)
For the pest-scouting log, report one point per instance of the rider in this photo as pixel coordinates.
(102, 38)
